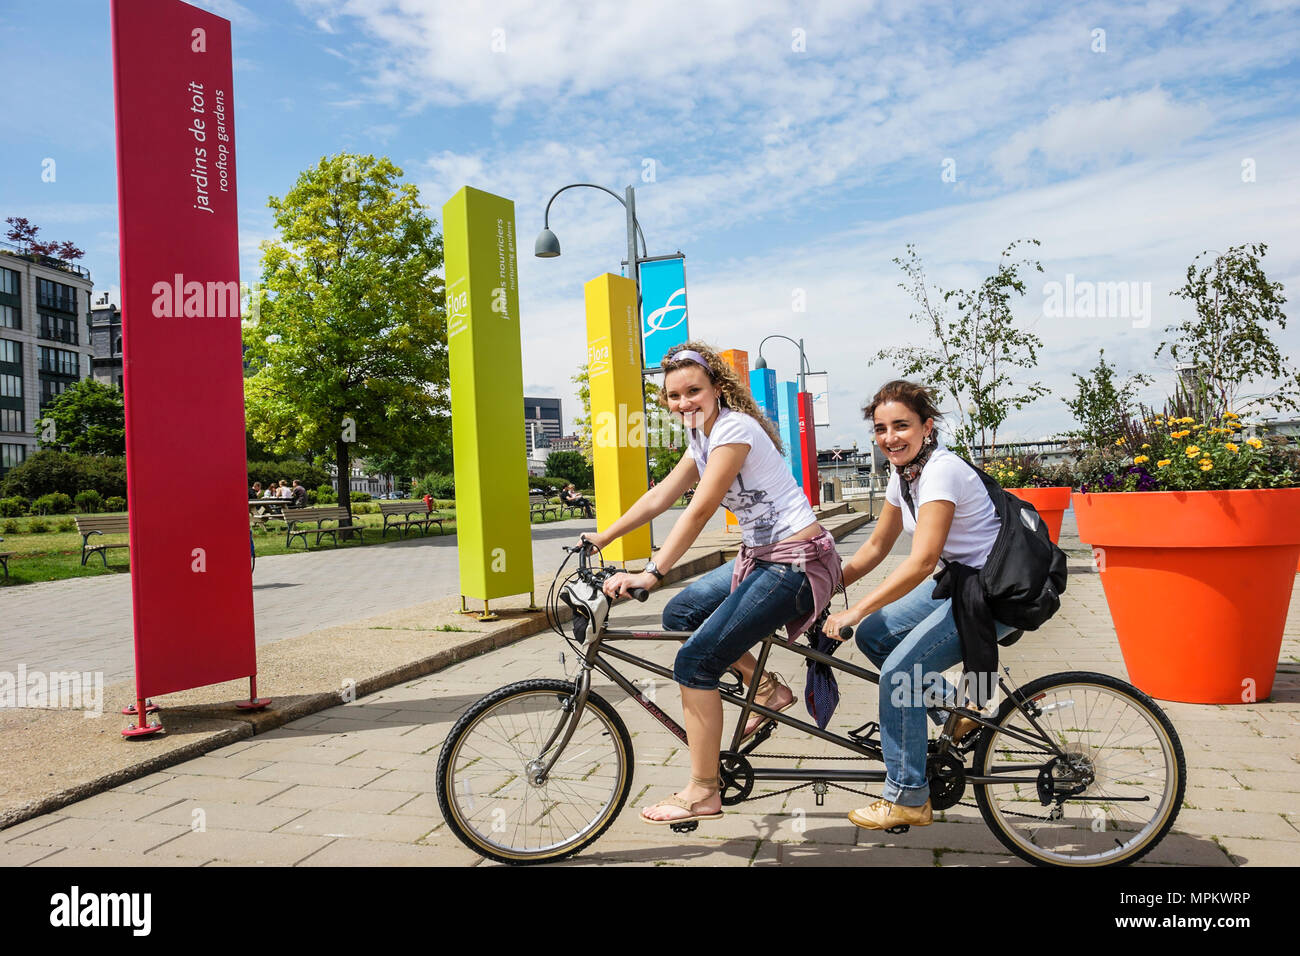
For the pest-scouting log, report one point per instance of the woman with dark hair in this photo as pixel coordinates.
(785, 573)
(939, 499)
(569, 496)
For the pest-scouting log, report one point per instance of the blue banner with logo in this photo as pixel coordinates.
(787, 403)
(663, 307)
(762, 385)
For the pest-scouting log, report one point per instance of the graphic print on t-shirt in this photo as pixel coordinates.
(755, 510)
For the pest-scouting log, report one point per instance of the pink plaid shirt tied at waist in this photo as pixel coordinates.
(816, 557)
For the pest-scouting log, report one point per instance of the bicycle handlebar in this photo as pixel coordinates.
(846, 632)
(641, 594)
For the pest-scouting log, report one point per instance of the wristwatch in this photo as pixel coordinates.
(651, 569)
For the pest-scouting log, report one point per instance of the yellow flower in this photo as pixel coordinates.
(1160, 421)
(1231, 415)
(1119, 441)
(1231, 447)
(1146, 444)
(1163, 462)
(1206, 464)
(1139, 459)
(1254, 443)
(1186, 421)
(1181, 434)
(1193, 450)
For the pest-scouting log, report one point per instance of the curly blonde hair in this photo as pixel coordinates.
(735, 392)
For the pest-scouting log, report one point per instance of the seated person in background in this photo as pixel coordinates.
(299, 494)
(285, 491)
(569, 495)
(255, 491)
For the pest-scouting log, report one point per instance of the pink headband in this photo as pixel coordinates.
(692, 356)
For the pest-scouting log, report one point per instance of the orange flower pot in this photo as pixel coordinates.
(1050, 503)
(1198, 584)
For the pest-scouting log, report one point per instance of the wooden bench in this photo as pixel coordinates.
(540, 505)
(90, 525)
(4, 560)
(575, 510)
(294, 517)
(404, 515)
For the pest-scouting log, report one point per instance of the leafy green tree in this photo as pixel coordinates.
(570, 465)
(349, 346)
(89, 419)
(1227, 342)
(1101, 409)
(975, 352)
(661, 433)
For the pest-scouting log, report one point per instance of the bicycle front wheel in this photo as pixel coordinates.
(488, 786)
(1110, 799)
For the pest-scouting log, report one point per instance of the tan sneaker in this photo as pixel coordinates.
(882, 815)
(963, 727)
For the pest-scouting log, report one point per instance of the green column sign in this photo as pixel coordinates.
(487, 396)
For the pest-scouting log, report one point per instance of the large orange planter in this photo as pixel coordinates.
(1198, 584)
(1050, 503)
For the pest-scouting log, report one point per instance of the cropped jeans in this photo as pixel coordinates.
(912, 642)
(727, 623)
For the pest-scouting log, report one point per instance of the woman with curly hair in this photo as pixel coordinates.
(785, 573)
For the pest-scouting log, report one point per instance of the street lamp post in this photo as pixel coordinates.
(547, 246)
(803, 361)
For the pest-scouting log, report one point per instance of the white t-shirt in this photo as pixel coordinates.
(764, 497)
(946, 477)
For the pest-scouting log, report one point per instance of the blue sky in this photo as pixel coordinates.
(794, 147)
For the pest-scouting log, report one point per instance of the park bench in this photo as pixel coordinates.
(405, 515)
(4, 560)
(575, 510)
(540, 505)
(90, 525)
(295, 520)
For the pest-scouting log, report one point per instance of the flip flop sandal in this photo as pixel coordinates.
(676, 801)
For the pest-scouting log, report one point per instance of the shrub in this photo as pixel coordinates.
(10, 526)
(66, 524)
(13, 507)
(48, 471)
(38, 526)
(436, 485)
(272, 471)
(311, 497)
(326, 495)
(360, 495)
(89, 502)
(55, 503)
(115, 503)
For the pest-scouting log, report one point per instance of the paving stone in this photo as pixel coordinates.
(803, 854)
(1269, 826)
(355, 824)
(246, 846)
(371, 853)
(217, 789)
(100, 834)
(111, 805)
(90, 856)
(317, 775)
(24, 854)
(226, 816)
(1259, 852)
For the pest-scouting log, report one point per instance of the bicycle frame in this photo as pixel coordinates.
(592, 660)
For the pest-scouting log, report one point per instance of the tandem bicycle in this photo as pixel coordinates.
(1075, 769)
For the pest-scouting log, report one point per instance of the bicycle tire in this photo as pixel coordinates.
(457, 787)
(1123, 771)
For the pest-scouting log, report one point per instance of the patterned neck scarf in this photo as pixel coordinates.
(912, 470)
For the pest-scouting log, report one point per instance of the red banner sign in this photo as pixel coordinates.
(186, 474)
(807, 450)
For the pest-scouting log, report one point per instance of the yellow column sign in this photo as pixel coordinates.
(493, 534)
(618, 436)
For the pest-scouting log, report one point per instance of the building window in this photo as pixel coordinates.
(11, 386)
(10, 317)
(60, 328)
(52, 388)
(55, 295)
(117, 345)
(11, 455)
(10, 284)
(11, 420)
(60, 362)
(11, 352)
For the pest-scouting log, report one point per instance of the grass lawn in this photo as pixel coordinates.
(56, 554)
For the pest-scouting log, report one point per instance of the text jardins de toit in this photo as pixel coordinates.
(203, 159)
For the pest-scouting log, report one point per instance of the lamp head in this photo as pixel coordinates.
(547, 245)
(761, 363)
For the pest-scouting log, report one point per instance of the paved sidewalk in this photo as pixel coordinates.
(354, 785)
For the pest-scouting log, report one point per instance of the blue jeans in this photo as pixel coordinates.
(911, 641)
(728, 623)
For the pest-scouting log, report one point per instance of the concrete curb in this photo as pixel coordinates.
(81, 758)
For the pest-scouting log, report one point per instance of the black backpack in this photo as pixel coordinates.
(1025, 573)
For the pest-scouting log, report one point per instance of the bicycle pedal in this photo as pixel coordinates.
(687, 827)
(901, 828)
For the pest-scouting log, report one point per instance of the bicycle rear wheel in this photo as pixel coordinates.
(486, 773)
(1124, 773)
